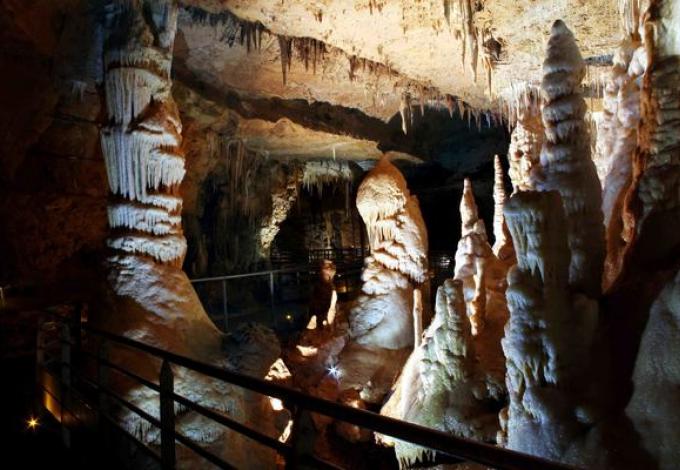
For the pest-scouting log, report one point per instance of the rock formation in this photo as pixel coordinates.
(549, 333)
(398, 260)
(381, 328)
(616, 141)
(653, 210)
(565, 159)
(502, 244)
(150, 298)
(442, 385)
(526, 139)
(473, 257)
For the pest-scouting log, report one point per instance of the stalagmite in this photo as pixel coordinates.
(441, 386)
(472, 256)
(502, 245)
(148, 297)
(398, 260)
(549, 334)
(417, 317)
(526, 138)
(566, 165)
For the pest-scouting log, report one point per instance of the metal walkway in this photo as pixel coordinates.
(73, 375)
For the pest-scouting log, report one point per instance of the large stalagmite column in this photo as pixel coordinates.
(149, 297)
(144, 162)
(566, 165)
(548, 337)
(398, 261)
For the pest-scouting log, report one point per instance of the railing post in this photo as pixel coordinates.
(39, 361)
(167, 413)
(302, 437)
(65, 382)
(102, 381)
(76, 330)
(271, 294)
(225, 311)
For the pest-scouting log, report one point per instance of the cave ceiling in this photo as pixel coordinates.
(351, 61)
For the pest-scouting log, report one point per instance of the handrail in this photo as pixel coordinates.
(301, 268)
(444, 443)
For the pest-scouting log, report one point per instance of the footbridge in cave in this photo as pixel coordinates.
(74, 395)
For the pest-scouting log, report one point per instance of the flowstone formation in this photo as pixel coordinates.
(442, 385)
(616, 141)
(150, 299)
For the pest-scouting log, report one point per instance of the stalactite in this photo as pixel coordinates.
(318, 174)
(285, 47)
(405, 112)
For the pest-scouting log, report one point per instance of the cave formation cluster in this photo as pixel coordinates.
(561, 339)
(508, 354)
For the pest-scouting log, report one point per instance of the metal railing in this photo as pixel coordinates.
(75, 339)
(296, 281)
